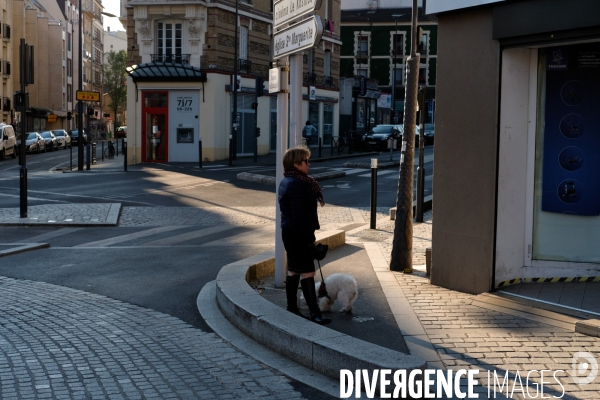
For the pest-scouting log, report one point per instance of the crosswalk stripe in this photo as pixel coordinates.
(379, 173)
(131, 236)
(236, 240)
(173, 240)
(50, 235)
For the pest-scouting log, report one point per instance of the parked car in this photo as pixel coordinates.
(121, 132)
(50, 140)
(63, 138)
(377, 138)
(75, 137)
(8, 141)
(417, 133)
(429, 133)
(33, 143)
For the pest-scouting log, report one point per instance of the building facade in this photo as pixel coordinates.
(517, 143)
(198, 40)
(376, 46)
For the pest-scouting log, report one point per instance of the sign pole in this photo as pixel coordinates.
(22, 150)
(296, 100)
(282, 145)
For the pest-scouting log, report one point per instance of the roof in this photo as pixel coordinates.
(366, 15)
(165, 72)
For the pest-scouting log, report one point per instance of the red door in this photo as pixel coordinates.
(155, 135)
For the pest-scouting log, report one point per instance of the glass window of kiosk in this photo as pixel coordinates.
(327, 123)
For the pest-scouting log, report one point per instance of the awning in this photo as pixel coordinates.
(165, 72)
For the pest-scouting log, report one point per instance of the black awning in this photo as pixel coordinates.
(165, 72)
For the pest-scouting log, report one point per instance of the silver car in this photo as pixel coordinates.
(50, 140)
(63, 138)
(33, 143)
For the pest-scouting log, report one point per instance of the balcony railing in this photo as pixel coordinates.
(6, 104)
(310, 78)
(245, 66)
(171, 58)
(314, 79)
(329, 81)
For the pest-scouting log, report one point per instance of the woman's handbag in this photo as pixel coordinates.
(320, 251)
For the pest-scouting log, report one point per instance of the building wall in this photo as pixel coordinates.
(7, 88)
(466, 124)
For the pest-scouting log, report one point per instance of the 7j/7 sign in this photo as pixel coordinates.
(298, 37)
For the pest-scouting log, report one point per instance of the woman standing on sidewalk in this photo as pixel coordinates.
(298, 196)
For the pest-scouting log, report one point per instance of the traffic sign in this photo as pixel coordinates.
(287, 10)
(298, 37)
(87, 96)
(274, 80)
(52, 117)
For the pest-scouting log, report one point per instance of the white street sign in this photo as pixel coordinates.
(298, 37)
(312, 93)
(287, 10)
(274, 80)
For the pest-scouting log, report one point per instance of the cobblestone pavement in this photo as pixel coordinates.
(63, 214)
(62, 343)
(468, 336)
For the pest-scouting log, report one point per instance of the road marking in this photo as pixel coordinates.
(73, 195)
(173, 240)
(240, 238)
(50, 235)
(379, 173)
(130, 236)
(232, 168)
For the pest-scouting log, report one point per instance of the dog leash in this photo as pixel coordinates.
(323, 288)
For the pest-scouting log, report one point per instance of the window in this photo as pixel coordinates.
(362, 72)
(169, 40)
(243, 43)
(69, 67)
(397, 78)
(397, 45)
(69, 93)
(362, 46)
(68, 41)
(423, 76)
(424, 45)
(311, 57)
(327, 64)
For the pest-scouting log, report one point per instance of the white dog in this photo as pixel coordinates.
(339, 287)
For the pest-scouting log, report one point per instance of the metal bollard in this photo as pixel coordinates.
(230, 150)
(87, 156)
(332, 144)
(102, 151)
(117, 145)
(124, 147)
(428, 261)
(71, 157)
(373, 193)
(94, 153)
(320, 146)
(199, 153)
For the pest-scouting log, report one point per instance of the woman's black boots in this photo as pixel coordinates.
(291, 289)
(310, 294)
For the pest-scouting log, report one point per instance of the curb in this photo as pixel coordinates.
(383, 165)
(22, 247)
(314, 346)
(271, 180)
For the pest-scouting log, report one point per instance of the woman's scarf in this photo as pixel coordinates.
(295, 173)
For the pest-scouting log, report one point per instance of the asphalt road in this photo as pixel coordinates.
(164, 278)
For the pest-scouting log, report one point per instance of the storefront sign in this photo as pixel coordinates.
(384, 101)
(287, 10)
(298, 37)
(185, 104)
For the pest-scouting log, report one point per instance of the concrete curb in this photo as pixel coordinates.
(22, 247)
(317, 347)
(427, 205)
(270, 180)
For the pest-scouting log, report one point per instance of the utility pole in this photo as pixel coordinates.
(401, 259)
(234, 125)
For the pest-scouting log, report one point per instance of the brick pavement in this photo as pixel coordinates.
(465, 335)
(62, 343)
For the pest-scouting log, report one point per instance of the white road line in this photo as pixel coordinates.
(214, 166)
(50, 235)
(242, 237)
(355, 171)
(232, 168)
(379, 173)
(74, 195)
(31, 198)
(173, 240)
(131, 236)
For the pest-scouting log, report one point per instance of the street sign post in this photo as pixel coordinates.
(274, 80)
(298, 37)
(287, 10)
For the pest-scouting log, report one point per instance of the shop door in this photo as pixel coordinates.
(155, 135)
(246, 139)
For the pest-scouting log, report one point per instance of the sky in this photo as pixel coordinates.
(112, 7)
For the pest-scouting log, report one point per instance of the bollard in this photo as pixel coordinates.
(87, 156)
(117, 145)
(373, 193)
(320, 146)
(199, 153)
(428, 261)
(230, 150)
(71, 157)
(94, 153)
(124, 148)
(332, 143)
(103, 151)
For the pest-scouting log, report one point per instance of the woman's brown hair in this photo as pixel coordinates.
(295, 156)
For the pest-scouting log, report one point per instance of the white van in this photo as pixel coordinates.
(8, 141)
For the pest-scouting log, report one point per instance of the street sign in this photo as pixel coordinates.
(287, 10)
(52, 117)
(312, 93)
(87, 96)
(274, 80)
(298, 37)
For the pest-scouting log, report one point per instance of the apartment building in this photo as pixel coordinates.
(181, 79)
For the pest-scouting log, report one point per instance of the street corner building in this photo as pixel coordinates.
(517, 174)
(182, 79)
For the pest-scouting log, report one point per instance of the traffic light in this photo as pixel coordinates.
(90, 111)
(260, 89)
(69, 116)
(21, 100)
(257, 132)
(255, 106)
